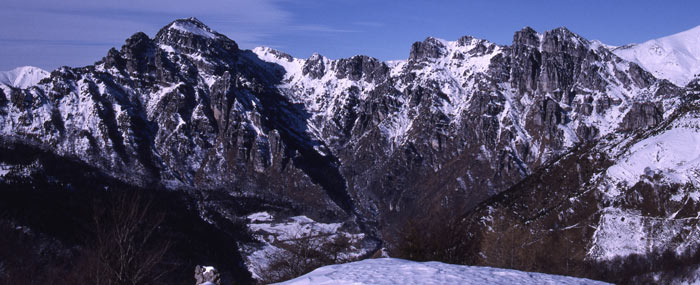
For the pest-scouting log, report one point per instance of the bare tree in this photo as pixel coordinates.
(504, 244)
(302, 253)
(125, 248)
(422, 240)
(337, 246)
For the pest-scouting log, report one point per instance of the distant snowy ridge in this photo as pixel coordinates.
(675, 57)
(399, 271)
(23, 77)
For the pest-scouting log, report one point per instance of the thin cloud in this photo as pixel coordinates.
(320, 28)
(369, 24)
(57, 25)
(26, 42)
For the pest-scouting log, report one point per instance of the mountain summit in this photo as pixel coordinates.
(192, 26)
(675, 57)
(23, 77)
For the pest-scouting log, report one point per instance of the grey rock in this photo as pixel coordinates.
(642, 116)
(362, 67)
(315, 67)
(427, 49)
(204, 274)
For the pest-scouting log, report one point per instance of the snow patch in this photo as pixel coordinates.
(625, 232)
(167, 48)
(260, 217)
(399, 271)
(191, 28)
(674, 153)
(4, 169)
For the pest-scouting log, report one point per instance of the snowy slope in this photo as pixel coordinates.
(676, 153)
(675, 57)
(399, 271)
(670, 157)
(23, 77)
(192, 28)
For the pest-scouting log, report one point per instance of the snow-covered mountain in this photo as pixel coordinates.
(675, 57)
(535, 144)
(398, 271)
(23, 77)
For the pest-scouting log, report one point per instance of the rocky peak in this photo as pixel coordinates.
(361, 67)
(276, 53)
(694, 84)
(113, 59)
(315, 66)
(465, 40)
(137, 43)
(527, 37)
(563, 40)
(427, 49)
(138, 52)
(193, 27)
(550, 41)
(192, 36)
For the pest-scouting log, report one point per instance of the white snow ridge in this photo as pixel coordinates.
(23, 77)
(675, 57)
(191, 28)
(399, 271)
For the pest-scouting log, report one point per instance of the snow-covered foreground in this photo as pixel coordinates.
(399, 271)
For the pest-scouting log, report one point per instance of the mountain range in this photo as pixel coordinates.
(549, 154)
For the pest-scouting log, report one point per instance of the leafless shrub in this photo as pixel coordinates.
(427, 240)
(303, 253)
(125, 247)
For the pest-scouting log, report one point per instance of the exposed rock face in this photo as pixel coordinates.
(361, 68)
(206, 275)
(430, 48)
(357, 140)
(642, 116)
(314, 66)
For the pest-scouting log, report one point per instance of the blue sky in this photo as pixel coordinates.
(51, 33)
